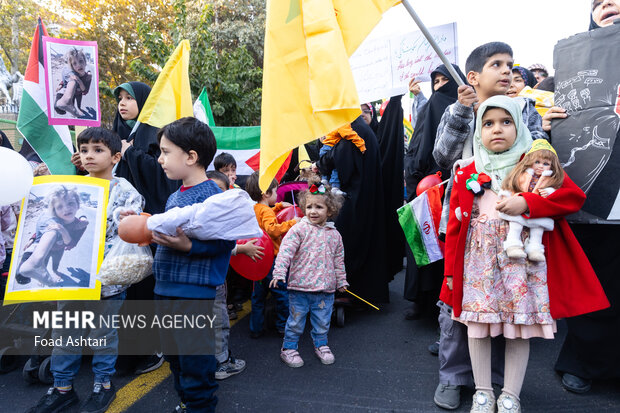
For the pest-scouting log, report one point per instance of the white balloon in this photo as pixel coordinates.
(15, 176)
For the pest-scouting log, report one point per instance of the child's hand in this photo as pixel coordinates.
(180, 242)
(515, 205)
(274, 283)
(449, 283)
(342, 289)
(286, 204)
(544, 192)
(314, 168)
(414, 86)
(125, 213)
(555, 112)
(467, 95)
(297, 219)
(125, 145)
(77, 161)
(251, 250)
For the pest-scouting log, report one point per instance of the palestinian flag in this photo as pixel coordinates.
(420, 221)
(51, 143)
(242, 142)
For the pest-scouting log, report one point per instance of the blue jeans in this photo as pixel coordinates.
(259, 295)
(334, 180)
(319, 305)
(194, 375)
(65, 367)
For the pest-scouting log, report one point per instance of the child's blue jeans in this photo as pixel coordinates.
(259, 295)
(334, 180)
(319, 305)
(65, 366)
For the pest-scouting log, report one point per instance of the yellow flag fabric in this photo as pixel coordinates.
(303, 159)
(171, 97)
(308, 86)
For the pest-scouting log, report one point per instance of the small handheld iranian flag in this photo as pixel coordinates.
(420, 221)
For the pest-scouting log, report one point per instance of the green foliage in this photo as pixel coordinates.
(228, 69)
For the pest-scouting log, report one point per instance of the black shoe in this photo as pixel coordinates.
(434, 348)
(149, 364)
(21, 279)
(99, 399)
(55, 401)
(413, 312)
(576, 384)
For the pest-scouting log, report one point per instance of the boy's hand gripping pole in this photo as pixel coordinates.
(433, 43)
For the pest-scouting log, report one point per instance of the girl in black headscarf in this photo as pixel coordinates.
(419, 162)
(590, 348)
(140, 148)
(521, 77)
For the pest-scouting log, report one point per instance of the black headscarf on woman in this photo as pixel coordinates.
(419, 161)
(5, 141)
(139, 163)
(527, 75)
(374, 123)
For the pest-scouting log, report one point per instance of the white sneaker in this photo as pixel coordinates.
(508, 404)
(484, 402)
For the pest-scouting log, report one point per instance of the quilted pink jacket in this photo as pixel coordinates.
(315, 256)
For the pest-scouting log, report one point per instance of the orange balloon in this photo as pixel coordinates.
(133, 229)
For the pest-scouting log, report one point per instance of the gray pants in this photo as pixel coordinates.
(222, 331)
(454, 362)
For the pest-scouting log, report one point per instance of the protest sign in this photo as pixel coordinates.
(383, 67)
(587, 86)
(60, 240)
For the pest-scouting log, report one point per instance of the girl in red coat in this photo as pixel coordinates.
(494, 294)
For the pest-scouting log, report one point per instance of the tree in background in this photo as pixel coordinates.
(227, 51)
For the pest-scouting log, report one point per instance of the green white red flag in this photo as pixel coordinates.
(51, 142)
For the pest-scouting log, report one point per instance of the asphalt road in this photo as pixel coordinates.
(382, 365)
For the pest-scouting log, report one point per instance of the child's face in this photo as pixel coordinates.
(65, 208)
(97, 158)
(78, 64)
(517, 85)
(541, 165)
(127, 106)
(271, 197)
(173, 160)
(439, 81)
(231, 173)
(604, 12)
(495, 77)
(498, 130)
(316, 209)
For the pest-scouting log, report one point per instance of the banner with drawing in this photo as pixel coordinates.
(383, 67)
(60, 240)
(588, 87)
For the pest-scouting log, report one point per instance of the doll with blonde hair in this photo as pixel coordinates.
(538, 172)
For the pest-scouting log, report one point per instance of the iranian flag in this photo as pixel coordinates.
(420, 221)
(51, 142)
(242, 142)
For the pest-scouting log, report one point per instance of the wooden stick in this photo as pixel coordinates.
(360, 298)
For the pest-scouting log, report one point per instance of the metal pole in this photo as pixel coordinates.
(432, 42)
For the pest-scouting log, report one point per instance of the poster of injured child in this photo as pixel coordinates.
(60, 240)
(71, 82)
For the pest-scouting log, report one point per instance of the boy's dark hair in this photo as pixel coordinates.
(252, 188)
(224, 159)
(547, 84)
(100, 135)
(190, 134)
(481, 54)
(217, 175)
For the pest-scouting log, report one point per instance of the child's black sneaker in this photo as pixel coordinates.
(99, 399)
(55, 401)
(229, 368)
(150, 363)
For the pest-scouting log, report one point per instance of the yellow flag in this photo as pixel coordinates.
(171, 98)
(308, 86)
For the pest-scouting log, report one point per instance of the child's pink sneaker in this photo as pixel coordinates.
(291, 358)
(324, 354)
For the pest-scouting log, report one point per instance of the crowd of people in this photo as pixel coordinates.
(504, 278)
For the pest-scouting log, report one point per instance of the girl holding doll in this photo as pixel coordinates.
(493, 294)
(313, 255)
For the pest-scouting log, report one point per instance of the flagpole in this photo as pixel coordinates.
(433, 43)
